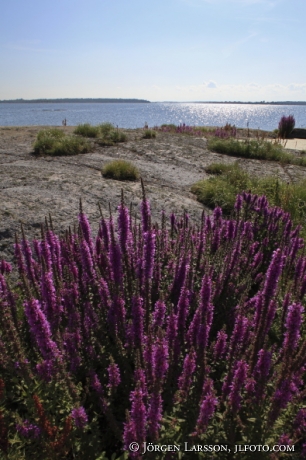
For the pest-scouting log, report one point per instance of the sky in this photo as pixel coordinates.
(160, 50)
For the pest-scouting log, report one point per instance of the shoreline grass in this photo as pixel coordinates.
(254, 149)
(55, 142)
(120, 170)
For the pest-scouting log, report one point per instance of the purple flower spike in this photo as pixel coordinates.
(28, 430)
(145, 215)
(273, 274)
(293, 325)
(124, 227)
(155, 414)
(239, 380)
(113, 376)
(189, 366)
(40, 329)
(159, 314)
(207, 408)
(149, 252)
(80, 417)
(220, 346)
(5, 267)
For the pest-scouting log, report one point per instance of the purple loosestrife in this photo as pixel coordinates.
(149, 252)
(172, 335)
(273, 273)
(293, 324)
(52, 307)
(282, 396)
(220, 347)
(124, 227)
(194, 328)
(27, 252)
(46, 253)
(206, 309)
(261, 373)
(80, 417)
(238, 203)
(155, 413)
(140, 378)
(89, 272)
(239, 337)
(158, 316)
(138, 322)
(299, 423)
(207, 407)
(114, 378)
(181, 274)
(40, 329)
(28, 430)
(136, 425)
(145, 215)
(86, 231)
(182, 310)
(160, 354)
(239, 380)
(45, 370)
(19, 257)
(55, 248)
(5, 267)
(148, 357)
(116, 261)
(186, 377)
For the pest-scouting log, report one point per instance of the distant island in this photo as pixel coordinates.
(104, 100)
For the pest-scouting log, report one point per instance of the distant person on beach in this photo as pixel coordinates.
(64, 122)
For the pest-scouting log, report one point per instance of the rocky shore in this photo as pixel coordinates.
(31, 187)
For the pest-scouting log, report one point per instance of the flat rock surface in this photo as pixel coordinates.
(31, 186)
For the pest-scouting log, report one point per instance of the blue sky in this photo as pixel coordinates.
(161, 50)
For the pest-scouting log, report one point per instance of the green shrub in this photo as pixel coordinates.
(86, 130)
(149, 134)
(120, 170)
(106, 128)
(55, 142)
(109, 135)
(218, 168)
(117, 136)
(257, 149)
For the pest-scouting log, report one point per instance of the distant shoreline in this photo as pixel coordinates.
(143, 101)
(65, 100)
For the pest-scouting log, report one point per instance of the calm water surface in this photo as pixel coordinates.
(135, 115)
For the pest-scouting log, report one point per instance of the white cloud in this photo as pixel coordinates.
(211, 84)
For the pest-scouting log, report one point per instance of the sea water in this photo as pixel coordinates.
(136, 115)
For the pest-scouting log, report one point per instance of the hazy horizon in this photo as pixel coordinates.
(175, 50)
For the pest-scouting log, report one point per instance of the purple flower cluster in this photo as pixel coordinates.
(80, 417)
(153, 331)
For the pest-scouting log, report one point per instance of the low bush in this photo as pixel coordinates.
(286, 126)
(149, 134)
(218, 168)
(55, 143)
(109, 135)
(158, 335)
(87, 130)
(120, 170)
(249, 148)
